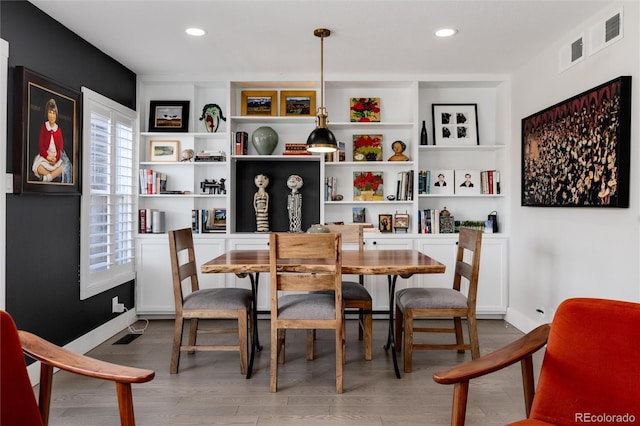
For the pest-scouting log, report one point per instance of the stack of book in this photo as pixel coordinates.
(404, 190)
(490, 181)
(330, 188)
(152, 182)
(150, 221)
(295, 149)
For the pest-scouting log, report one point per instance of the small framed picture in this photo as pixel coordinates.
(385, 223)
(163, 151)
(358, 215)
(455, 124)
(169, 116)
(401, 222)
(261, 102)
(468, 182)
(441, 182)
(364, 110)
(297, 103)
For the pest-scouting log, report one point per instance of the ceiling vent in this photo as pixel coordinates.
(606, 32)
(572, 53)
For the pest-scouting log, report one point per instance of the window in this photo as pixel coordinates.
(108, 211)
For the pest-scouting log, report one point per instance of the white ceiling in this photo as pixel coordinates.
(276, 36)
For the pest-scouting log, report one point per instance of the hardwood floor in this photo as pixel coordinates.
(209, 390)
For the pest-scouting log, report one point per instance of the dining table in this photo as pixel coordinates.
(393, 263)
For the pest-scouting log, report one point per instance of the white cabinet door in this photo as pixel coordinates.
(492, 284)
(154, 287)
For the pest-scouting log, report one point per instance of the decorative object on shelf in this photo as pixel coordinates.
(46, 111)
(467, 182)
(368, 186)
(262, 102)
(358, 214)
(493, 217)
(211, 115)
(169, 116)
(364, 109)
(455, 124)
(297, 102)
(385, 223)
(576, 153)
(401, 222)
(318, 228)
(163, 150)
(391, 197)
(442, 182)
(322, 140)
(398, 148)
(294, 203)
(187, 155)
(213, 186)
(261, 203)
(295, 149)
(264, 140)
(423, 134)
(367, 147)
(211, 156)
(447, 222)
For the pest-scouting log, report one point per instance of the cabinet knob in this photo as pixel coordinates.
(375, 242)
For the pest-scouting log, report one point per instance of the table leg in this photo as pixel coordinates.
(391, 334)
(255, 343)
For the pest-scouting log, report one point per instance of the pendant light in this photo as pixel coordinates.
(321, 139)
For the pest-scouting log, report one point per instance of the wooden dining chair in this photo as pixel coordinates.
(420, 303)
(589, 372)
(193, 304)
(18, 404)
(301, 267)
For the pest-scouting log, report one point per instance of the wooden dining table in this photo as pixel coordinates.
(393, 263)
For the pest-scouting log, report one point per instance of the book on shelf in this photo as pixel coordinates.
(151, 221)
(241, 141)
(330, 188)
(295, 149)
(404, 189)
(424, 182)
(490, 181)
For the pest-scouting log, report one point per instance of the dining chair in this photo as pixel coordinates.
(589, 371)
(194, 304)
(18, 404)
(301, 266)
(422, 303)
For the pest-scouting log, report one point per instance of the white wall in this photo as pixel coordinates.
(558, 253)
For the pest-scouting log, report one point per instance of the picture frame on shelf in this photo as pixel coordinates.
(358, 214)
(298, 103)
(592, 170)
(367, 147)
(364, 110)
(442, 182)
(259, 103)
(368, 186)
(467, 182)
(385, 223)
(169, 116)
(455, 124)
(163, 150)
(46, 109)
(401, 222)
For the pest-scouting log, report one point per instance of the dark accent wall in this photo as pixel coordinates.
(43, 231)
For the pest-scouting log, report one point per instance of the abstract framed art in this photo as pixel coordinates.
(169, 116)
(577, 153)
(455, 124)
(48, 136)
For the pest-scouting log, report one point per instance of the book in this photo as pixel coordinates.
(241, 143)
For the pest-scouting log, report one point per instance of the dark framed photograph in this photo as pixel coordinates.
(385, 223)
(455, 124)
(297, 103)
(169, 116)
(48, 136)
(259, 102)
(576, 153)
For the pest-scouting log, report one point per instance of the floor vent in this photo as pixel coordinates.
(126, 339)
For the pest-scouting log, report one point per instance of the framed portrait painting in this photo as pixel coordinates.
(48, 133)
(577, 153)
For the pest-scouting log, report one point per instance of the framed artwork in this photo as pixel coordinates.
(358, 214)
(169, 116)
(467, 182)
(297, 103)
(162, 150)
(48, 136)
(442, 182)
(401, 222)
(576, 153)
(263, 102)
(385, 223)
(367, 147)
(364, 110)
(368, 186)
(455, 124)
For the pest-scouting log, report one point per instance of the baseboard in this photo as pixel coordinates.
(85, 343)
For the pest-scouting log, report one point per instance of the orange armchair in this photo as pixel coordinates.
(590, 372)
(17, 401)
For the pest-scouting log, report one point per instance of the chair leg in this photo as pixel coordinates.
(125, 404)
(457, 323)
(408, 340)
(193, 332)
(368, 336)
(177, 342)
(311, 334)
(242, 340)
(44, 396)
(473, 336)
(273, 370)
(281, 345)
(361, 324)
(399, 324)
(339, 357)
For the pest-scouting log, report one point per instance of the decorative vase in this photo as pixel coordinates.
(367, 195)
(264, 140)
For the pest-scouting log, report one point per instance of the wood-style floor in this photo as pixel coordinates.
(209, 390)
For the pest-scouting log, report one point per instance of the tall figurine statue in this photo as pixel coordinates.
(294, 203)
(261, 203)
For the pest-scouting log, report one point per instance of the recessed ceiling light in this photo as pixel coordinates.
(196, 32)
(446, 32)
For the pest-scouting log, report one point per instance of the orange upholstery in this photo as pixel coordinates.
(17, 401)
(591, 366)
